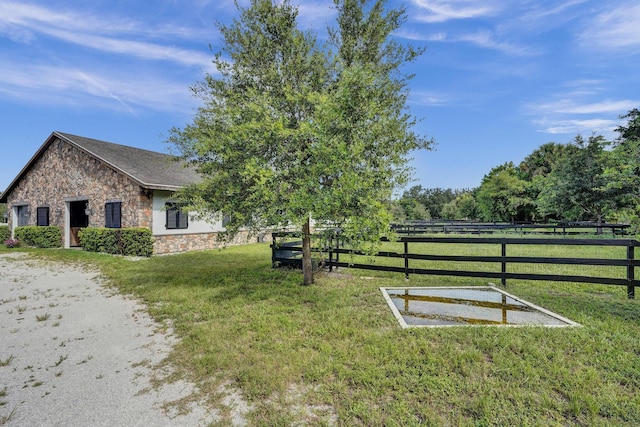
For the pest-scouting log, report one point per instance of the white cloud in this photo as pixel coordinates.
(585, 127)
(568, 115)
(617, 28)
(487, 40)
(436, 11)
(428, 98)
(542, 15)
(421, 36)
(45, 84)
(571, 106)
(138, 49)
(22, 22)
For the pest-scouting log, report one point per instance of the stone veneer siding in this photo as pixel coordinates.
(174, 243)
(65, 172)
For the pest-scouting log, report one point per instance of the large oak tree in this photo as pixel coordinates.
(291, 130)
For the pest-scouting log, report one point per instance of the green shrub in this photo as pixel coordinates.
(40, 237)
(136, 241)
(5, 233)
(118, 241)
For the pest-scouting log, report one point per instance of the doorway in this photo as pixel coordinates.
(78, 219)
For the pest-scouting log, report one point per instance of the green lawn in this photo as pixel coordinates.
(333, 354)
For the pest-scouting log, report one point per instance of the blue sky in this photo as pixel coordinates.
(498, 79)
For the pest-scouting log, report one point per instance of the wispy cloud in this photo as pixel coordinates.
(568, 115)
(428, 98)
(24, 22)
(585, 127)
(488, 40)
(425, 36)
(617, 28)
(138, 49)
(45, 84)
(572, 106)
(436, 11)
(544, 14)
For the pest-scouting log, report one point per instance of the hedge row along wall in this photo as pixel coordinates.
(5, 233)
(119, 241)
(40, 237)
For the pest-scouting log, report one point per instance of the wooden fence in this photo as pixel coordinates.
(289, 254)
(475, 227)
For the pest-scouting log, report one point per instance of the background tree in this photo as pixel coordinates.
(433, 199)
(542, 161)
(462, 207)
(412, 209)
(577, 189)
(622, 173)
(290, 131)
(535, 169)
(502, 195)
(630, 131)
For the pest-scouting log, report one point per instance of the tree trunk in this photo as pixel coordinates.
(599, 224)
(307, 265)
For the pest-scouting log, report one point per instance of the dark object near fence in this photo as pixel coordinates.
(334, 251)
(289, 254)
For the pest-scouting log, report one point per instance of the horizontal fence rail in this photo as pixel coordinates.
(289, 254)
(476, 227)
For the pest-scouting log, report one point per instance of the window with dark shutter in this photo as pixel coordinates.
(42, 216)
(176, 217)
(112, 214)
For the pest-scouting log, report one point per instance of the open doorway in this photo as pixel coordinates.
(78, 219)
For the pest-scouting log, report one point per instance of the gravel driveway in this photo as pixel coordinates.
(73, 353)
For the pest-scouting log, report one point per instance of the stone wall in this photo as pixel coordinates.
(64, 172)
(175, 243)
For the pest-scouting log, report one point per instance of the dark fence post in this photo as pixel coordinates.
(406, 260)
(631, 291)
(331, 253)
(504, 263)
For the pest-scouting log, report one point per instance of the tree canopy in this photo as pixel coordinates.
(502, 195)
(587, 179)
(291, 130)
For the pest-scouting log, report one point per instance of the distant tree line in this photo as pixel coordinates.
(588, 179)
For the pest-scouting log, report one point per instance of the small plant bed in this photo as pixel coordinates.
(332, 354)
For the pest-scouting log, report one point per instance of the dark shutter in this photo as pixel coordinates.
(43, 216)
(112, 214)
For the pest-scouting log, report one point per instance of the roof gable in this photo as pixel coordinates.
(150, 169)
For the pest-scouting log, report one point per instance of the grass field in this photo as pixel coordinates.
(332, 354)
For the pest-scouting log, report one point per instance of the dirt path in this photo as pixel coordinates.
(72, 353)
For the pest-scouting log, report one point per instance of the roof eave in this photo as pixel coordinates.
(162, 187)
(51, 138)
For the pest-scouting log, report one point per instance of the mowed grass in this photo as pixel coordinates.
(332, 354)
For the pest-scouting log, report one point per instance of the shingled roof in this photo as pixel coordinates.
(150, 169)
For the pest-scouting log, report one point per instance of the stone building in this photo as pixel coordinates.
(74, 182)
